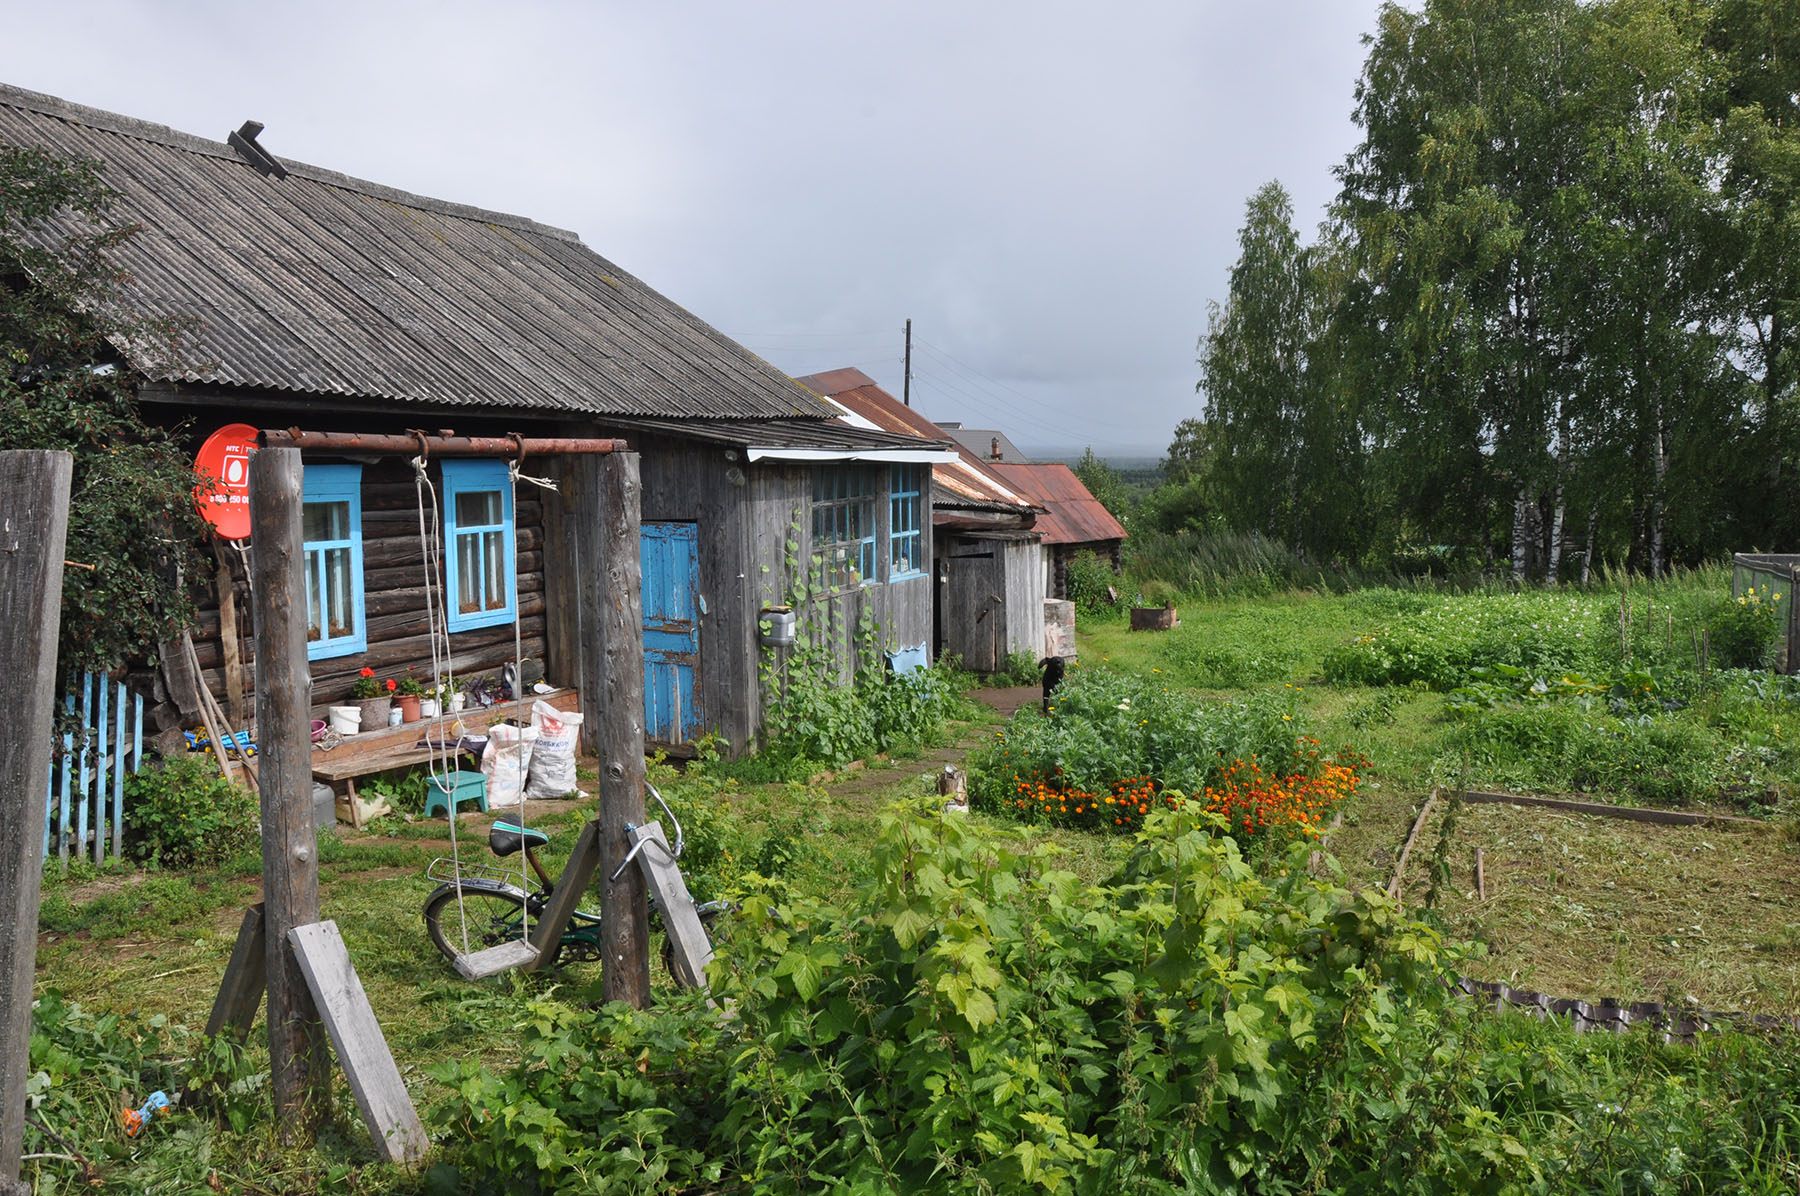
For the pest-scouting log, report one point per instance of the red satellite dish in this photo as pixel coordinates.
(225, 460)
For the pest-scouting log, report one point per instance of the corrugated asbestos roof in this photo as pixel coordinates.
(827, 435)
(963, 484)
(327, 285)
(1073, 515)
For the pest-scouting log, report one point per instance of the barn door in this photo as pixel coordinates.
(671, 631)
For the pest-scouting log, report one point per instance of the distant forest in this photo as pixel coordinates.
(1550, 321)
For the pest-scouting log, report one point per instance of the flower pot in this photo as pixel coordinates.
(409, 707)
(345, 720)
(375, 711)
(428, 707)
(456, 702)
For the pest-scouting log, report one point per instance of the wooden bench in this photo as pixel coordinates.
(369, 752)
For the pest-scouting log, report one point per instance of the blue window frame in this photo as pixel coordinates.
(331, 545)
(843, 518)
(481, 566)
(905, 541)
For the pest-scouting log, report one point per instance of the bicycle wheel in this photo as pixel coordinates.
(495, 915)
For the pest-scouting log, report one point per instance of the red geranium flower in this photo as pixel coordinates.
(392, 685)
(368, 672)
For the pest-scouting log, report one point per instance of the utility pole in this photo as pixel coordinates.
(906, 386)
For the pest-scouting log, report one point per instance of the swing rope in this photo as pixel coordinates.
(438, 766)
(437, 612)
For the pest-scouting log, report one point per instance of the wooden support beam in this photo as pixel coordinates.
(246, 976)
(362, 1051)
(228, 639)
(299, 1064)
(691, 949)
(612, 685)
(34, 523)
(571, 886)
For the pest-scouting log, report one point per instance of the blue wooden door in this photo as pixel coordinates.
(671, 631)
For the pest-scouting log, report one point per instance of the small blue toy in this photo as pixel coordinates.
(137, 1119)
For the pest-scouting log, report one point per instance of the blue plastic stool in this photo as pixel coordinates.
(467, 786)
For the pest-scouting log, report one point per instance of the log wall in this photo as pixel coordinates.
(393, 607)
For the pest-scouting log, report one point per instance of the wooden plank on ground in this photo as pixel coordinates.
(1629, 813)
(362, 1052)
(692, 948)
(1393, 889)
(241, 992)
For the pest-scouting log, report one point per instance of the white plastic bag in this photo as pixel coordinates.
(505, 762)
(553, 755)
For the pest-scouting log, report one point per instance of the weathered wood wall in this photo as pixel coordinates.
(394, 605)
(747, 528)
(993, 603)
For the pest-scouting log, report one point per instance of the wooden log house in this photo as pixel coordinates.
(988, 562)
(320, 303)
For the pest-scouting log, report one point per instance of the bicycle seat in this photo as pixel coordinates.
(505, 838)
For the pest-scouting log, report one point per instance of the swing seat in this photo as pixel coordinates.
(491, 961)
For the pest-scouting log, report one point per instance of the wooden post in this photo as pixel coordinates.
(34, 522)
(612, 667)
(299, 1063)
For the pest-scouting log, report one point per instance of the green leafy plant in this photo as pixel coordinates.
(65, 384)
(183, 813)
(1091, 584)
(974, 1019)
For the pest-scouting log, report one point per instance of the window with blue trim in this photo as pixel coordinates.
(331, 545)
(843, 519)
(905, 541)
(480, 570)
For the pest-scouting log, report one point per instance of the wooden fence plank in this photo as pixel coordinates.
(362, 1052)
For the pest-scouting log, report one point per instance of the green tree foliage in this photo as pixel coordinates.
(1550, 321)
(1104, 483)
(1275, 453)
(66, 383)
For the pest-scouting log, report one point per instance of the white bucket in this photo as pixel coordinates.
(428, 707)
(345, 720)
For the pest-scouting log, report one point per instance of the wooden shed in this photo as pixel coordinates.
(319, 303)
(1074, 521)
(988, 561)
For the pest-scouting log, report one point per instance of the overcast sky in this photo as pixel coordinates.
(1051, 191)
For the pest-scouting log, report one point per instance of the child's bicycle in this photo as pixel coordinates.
(495, 901)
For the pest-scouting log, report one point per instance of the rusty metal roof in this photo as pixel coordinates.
(960, 485)
(317, 283)
(1073, 516)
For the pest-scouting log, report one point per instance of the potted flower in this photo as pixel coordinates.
(374, 696)
(408, 693)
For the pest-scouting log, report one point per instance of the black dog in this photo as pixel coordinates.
(1054, 668)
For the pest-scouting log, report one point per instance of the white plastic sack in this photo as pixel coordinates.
(505, 762)
(553, 755)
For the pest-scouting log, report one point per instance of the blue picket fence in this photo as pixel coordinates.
(89, 774)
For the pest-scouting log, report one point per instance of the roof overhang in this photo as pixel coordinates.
(894, 455)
